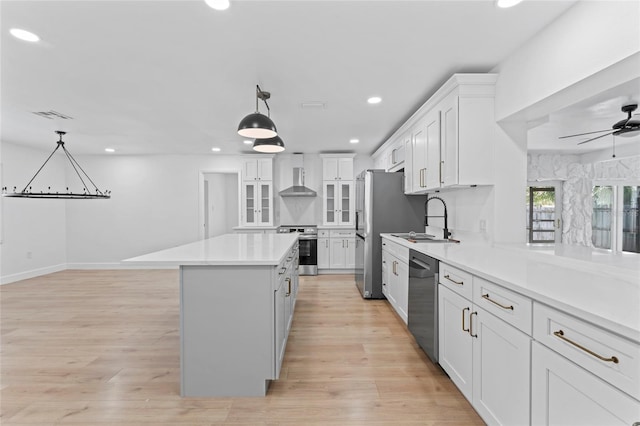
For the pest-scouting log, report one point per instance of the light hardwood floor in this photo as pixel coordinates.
(102, 347)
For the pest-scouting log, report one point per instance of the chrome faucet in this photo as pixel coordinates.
(447, 234)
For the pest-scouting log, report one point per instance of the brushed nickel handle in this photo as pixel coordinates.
(471, 324)
(441, 163)
(282, 271)
(464, 329)
(454, 281)
(560, 334)
(289, 291)
(486, 296)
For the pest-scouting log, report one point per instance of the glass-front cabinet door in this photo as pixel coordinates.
(257, 204)
(338, 203)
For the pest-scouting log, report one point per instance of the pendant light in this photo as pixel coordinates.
(270, 145)
(27, 192)
(256, 125)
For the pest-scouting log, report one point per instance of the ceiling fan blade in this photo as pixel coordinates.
(582, 134)
(593, 139)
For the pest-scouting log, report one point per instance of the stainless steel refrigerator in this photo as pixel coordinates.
(381, 207)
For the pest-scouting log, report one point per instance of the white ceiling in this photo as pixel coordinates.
(598, 112)
(177, 76)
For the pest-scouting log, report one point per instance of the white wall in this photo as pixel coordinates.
(587, 39)
(32, 226)
(156, 203)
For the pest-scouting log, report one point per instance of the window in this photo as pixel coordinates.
(541, 214)
(615, 218)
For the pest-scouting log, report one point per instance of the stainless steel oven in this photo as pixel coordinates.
(308, 243)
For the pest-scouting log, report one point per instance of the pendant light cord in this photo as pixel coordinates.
(264, 96)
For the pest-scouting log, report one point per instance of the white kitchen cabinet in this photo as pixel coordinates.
(487, 358)
(257, 169)
(563, 393)
(342, 249)
(324, 250)
(337, 168)
(338, 203)
(426, 153)
(336, 249)
(396, 280)
(396, 155)
(467, 135)
(257, 203)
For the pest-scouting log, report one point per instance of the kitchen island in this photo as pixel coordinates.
(237, 296)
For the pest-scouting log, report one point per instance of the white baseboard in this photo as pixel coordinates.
(336, 271)
(7, 279)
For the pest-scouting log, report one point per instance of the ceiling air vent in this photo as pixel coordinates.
(51, 114)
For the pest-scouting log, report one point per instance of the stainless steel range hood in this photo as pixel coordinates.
(298, 189)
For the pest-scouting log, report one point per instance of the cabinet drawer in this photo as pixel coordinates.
(323, 233)
(402, 253)
(612, 358)
(336, 233)
(457, 280)
(512, 307)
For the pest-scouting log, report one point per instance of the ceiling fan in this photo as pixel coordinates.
(626, 127)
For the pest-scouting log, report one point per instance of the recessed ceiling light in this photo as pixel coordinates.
(109, 150)
(24, 35)
(218, 4)
(507, 3)
(374, 100)
(215, 149)
(247, 142)
(354, 140)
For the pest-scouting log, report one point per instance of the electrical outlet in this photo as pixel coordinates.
(29, 255)
(483, 225)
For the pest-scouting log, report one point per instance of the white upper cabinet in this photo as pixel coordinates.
(255, 169)
(467, 135)
(452, 137)
(337, 168)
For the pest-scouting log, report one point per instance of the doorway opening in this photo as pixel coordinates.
(219, 202)
(544, 213)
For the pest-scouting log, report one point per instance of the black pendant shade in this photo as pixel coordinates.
(257, 126)
(270, 145)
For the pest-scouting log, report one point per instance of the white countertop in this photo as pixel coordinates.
(227, 249)
(598, 287)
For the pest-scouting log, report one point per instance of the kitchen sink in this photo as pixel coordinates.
(416, 237)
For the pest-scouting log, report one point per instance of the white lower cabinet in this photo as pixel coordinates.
(336, 249)
(395, 277)
(487, 359)
(565, 394)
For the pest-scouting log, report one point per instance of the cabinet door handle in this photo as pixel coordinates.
(289, 290)
(282, 271)
(440, 172)
(471, 324)
(454, 281)
(560, 334)
(486, 296)
(464, 329)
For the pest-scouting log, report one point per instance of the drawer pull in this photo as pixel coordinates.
(560, 334)
(471, 324)
(463, 328)
(453, 281)
(486, 296)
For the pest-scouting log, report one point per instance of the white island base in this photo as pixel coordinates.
(237, 296)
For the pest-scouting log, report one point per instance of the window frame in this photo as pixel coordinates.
(617, 212)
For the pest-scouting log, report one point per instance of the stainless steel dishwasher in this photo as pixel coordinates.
(423, 302)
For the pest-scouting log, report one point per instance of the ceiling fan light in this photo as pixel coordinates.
(257, 126)
(270, 145)
(628, 133)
